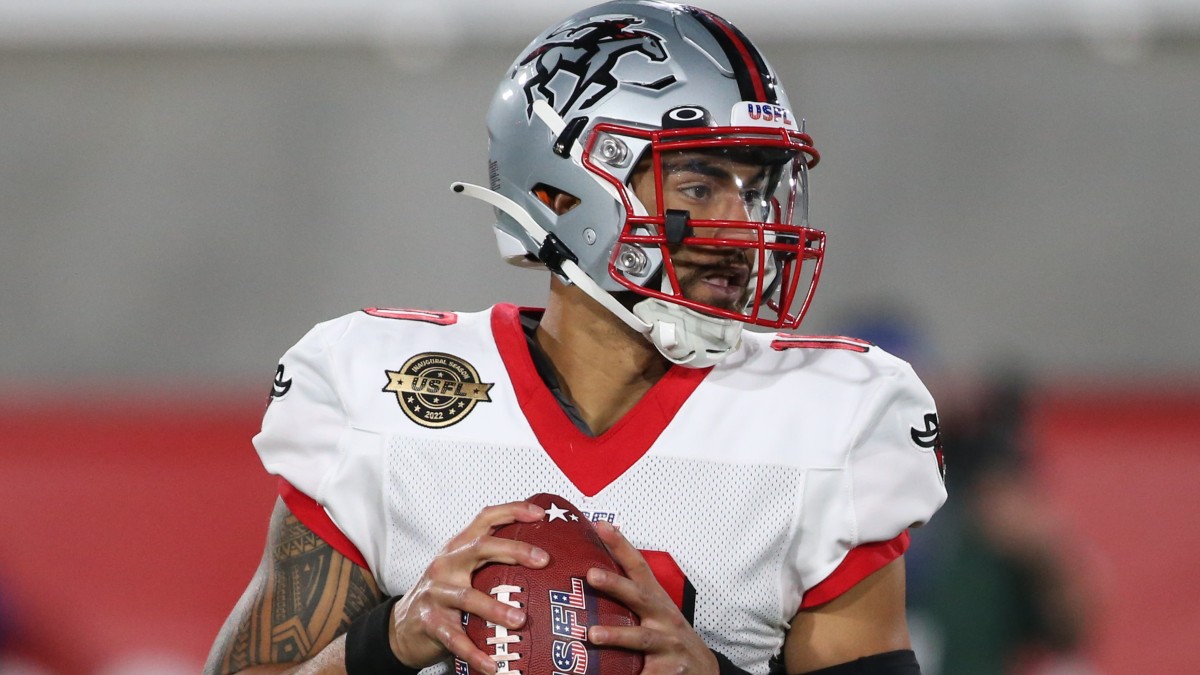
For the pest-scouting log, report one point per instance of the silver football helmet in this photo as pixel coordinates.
(647, 149)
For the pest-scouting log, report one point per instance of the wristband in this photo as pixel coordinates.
(899, 662)
(368, 647)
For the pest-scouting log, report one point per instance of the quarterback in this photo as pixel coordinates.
(755, 486)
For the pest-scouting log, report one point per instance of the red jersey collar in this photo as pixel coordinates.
(591, 463)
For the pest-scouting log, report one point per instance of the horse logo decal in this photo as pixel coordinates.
(590, 52)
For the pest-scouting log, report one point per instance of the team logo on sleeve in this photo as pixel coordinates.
(931, 437)
(436, 389)
(280, 387)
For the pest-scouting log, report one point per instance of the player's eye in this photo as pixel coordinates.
(696, 191)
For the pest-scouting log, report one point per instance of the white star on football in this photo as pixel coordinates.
(556, 513)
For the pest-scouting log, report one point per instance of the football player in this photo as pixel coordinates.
(756, 487)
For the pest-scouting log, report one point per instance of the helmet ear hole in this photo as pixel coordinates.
(558, 201)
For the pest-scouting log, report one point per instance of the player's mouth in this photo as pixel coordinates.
(722, 286)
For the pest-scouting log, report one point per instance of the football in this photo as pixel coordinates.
(559, 603)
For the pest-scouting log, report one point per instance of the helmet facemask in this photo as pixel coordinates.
(715, 219)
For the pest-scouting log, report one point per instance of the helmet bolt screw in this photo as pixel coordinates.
(589, 236)
(632, 260)
(613, 152)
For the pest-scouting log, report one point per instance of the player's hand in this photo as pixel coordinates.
(427, 622)
(666, 639)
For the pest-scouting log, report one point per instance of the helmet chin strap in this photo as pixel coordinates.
(683, 336)
(570, 269)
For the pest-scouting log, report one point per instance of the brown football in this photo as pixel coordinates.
(559, 603)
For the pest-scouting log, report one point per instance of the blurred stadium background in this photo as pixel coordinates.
(186, 187)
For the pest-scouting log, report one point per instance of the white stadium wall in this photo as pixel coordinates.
(192, 211)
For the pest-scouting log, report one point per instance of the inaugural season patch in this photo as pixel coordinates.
(436, 389)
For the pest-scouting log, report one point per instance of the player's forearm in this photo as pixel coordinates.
(274, 669)
(292, 616)
(261, 637)
(329, 661)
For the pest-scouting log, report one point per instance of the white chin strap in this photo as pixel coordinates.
(681, 335)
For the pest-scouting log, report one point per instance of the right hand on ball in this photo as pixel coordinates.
(427, 622)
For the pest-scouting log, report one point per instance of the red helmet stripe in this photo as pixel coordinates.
(747, 63)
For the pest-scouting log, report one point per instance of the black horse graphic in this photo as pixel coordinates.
(590, 52)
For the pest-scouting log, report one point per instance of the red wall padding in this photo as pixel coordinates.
(1123, 465)
(134, 524)
(130, 525)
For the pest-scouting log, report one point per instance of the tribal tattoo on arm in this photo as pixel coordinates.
(303, 596)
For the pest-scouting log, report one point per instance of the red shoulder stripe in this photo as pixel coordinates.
(428, 316)
(783, 341)
(308, 511)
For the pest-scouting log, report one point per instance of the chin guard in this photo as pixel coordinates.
(687, 337)
(682, 335)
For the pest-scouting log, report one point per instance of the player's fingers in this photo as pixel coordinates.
(474, 546)
(431, 625)
(474, 601)
(636, 638)
(626, 555)
(457, 643)
(492, 517)
(466, 556)
(638, 597)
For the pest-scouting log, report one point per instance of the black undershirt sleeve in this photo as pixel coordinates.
(900, 662)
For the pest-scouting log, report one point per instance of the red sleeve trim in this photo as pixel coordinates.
(308, 511)
(860, 563)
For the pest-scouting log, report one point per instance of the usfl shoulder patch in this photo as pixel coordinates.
(436, 389)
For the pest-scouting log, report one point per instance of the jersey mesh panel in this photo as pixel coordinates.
(728, 525)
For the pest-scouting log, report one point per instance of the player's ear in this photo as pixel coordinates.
(560, 202)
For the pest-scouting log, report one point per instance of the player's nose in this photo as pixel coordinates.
(732, 206)
(729, 213)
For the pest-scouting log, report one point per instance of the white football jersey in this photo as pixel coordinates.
(774, 481)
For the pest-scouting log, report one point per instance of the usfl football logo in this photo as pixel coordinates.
(568, 624)
(436, 389)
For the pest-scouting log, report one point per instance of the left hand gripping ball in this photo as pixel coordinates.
(559, 604)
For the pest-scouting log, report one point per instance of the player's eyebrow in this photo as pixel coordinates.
(698, 165)
(705, 167)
